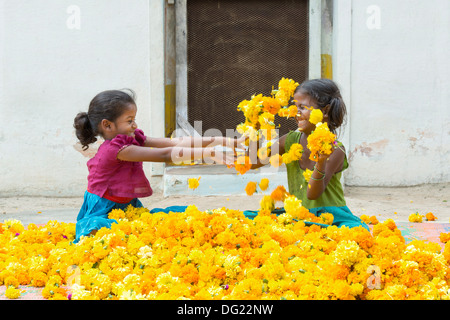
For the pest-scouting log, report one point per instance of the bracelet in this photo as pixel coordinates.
(320, 179)
(323, 174)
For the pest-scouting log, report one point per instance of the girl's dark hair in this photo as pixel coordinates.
(325, 92)
(107, 105)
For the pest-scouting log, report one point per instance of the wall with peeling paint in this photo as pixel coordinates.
(399, 97)
(52, 66)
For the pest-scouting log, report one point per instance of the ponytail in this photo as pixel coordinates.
(84, 131)
(336, 112)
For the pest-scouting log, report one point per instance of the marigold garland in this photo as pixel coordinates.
(260, 111)
(321, 141)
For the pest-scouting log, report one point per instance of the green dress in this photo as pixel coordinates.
(332, 199)
(333, 196)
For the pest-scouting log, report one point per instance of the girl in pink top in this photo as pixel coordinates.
(116, 178)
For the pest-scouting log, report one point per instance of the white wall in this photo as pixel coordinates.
(50, 72)
(399, 71)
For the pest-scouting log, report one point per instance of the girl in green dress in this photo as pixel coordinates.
(324, 192)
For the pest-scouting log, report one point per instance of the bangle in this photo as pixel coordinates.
(323, 174)
(320, 179)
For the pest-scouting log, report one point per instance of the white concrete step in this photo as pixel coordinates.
(218, 179)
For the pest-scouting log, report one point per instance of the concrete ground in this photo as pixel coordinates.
(384, 203)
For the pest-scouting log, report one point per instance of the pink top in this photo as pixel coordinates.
(117, 178)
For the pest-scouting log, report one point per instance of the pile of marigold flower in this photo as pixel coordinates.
(221, 254)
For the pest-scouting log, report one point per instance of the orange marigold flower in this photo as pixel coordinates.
(250, 188)
(279, 194)
(374, 220)
(293, 110)
(430, 216)
(444, 237)
(271, 105)
(242, 164)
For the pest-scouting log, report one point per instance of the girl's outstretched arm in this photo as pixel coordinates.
(193, 142)
(277, 147)
(173, 155)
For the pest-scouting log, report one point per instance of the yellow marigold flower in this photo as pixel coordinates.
(293, 110)
(282, 97)
(342, 290)
(283, 112)
(266, 120)
(250, 188)
(286, 89)
(267, 203)
(116, 214)
(12, 293)
(369, 220)
(320, 141)
(316, 116)
(264, 184)
(193, 183)
(327, 218)
(415, 217)
(14, 226)
(294, 153)
(307, 174)
(284, 218)
(11, 281)
(38, 279)
(287, 158)
(292, 205)
(347, 253)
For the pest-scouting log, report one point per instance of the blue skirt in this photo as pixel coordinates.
(93, 214)
(342, 216)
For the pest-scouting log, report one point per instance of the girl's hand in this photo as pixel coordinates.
(324, 157)
(221, 157)
(240, 143)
